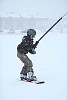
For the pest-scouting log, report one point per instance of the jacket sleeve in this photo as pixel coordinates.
(27, 44)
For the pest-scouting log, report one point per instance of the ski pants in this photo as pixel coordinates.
(27, 63)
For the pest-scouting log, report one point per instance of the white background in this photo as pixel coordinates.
(50, 65)
(50, 62)
(34, 8)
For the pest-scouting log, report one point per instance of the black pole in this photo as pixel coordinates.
(51, 28)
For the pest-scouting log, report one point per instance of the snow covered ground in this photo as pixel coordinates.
(50, 65)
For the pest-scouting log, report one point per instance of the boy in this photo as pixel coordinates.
(22, 49)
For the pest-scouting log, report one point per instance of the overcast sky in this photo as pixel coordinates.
(34, 8)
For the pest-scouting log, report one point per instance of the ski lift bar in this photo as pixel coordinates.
(51, 27)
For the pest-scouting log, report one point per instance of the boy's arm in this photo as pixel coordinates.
(34, 45)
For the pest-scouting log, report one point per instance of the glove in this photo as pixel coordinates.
(32, 51)
(36, 44)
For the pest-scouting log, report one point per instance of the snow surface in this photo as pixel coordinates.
(50, 65)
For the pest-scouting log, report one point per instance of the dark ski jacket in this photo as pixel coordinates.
(26, 45)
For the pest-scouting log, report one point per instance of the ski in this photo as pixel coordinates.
(36, 82)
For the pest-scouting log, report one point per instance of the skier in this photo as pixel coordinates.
(23, 48)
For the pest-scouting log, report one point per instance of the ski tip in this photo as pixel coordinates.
(40, 82)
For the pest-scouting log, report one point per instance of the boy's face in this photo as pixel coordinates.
(32, 36)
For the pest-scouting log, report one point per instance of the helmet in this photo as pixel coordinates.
(31, 33)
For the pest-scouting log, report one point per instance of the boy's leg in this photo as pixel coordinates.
(27, 70)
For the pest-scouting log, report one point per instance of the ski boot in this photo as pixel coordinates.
(31, 77)
(23, 77)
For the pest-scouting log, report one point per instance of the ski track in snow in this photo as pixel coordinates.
(50, 65)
